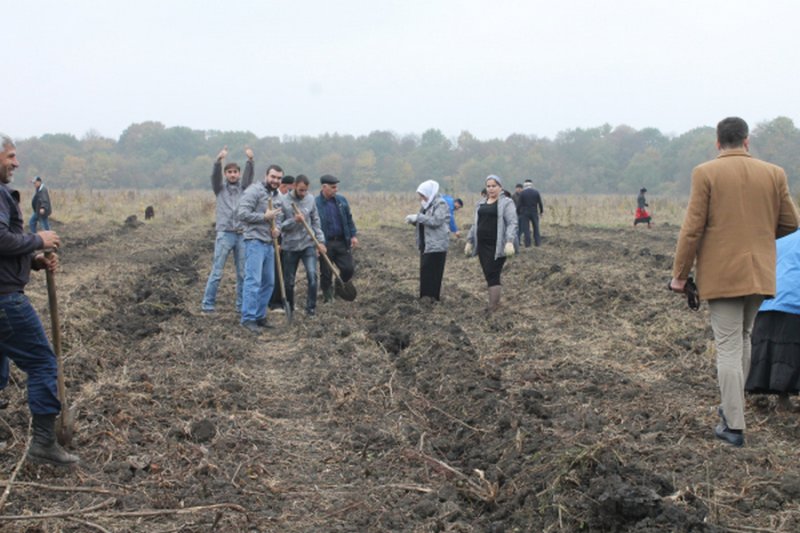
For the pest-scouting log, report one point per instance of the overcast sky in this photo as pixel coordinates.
(492, 68)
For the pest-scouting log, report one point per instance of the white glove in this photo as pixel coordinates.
(468, 249)
(509, 249)
(411, 219)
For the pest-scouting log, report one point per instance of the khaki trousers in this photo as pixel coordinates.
(732, 321)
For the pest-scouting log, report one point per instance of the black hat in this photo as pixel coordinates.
(37, 178)
(328, 179)
(642, 190)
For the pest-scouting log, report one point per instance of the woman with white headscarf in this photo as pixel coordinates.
(492, 236)
(433, 238)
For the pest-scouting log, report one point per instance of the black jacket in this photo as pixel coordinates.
(41, 200)
(16, 247)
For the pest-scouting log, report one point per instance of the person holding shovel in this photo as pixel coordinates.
(298, 206)
(340, 234)
(259, 264)
(492, 236)
(433, 238)
(25, 341)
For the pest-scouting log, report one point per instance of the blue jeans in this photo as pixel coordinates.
(23, 340)
(36, 217)
(226, 242)
(290, 261)
(259, 279)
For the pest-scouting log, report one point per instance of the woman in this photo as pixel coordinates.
(642, 216)
(775, 358)
(492, 236)
(433, 238)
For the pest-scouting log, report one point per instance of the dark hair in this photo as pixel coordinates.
(518, 186)
(301, 178)
(732, 132)
(483, 192)
(232, 165)
(288, 180)
(458, 201)
(273, 167)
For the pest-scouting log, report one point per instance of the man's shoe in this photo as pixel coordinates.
(726, 434)
(311, 312)
(3, 402)
(252, 327)
(327, 295)
(44, 448)
(262, 323)
(208, 311)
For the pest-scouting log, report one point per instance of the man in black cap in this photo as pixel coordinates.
(41, 206)
(530, 208)
(340, 234)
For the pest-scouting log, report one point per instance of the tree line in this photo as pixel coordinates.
(603, 159)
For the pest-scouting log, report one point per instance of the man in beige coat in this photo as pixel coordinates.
(737, 208)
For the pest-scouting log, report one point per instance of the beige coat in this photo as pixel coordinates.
(737, 208)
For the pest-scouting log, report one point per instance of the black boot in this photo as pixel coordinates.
(44, 448)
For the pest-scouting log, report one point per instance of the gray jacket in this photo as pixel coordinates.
(228, 195)
(507, 223)
(436, 220)
(252, 206)
(294, 234)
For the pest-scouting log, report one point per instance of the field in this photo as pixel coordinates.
(586, 404)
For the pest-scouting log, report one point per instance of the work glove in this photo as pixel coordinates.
(509, 249)
(468, 249)
(411, 219)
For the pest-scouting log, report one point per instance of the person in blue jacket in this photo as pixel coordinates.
(454, 204)
(775, 354)
(340, 234)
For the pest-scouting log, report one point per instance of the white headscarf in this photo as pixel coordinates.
(429, 189)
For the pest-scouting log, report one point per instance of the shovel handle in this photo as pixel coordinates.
(316, 243)
(52, 300)
(277, 255)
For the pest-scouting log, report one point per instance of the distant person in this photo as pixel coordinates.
(530, 209)
(297, 243)
(453, 204)
(642, 216)
(149, 212)
(42, 208)
(432, 224)
(492, 237)
(340, 232)
(259, 265)
(737, 207)
(24, 340)
(775, 360)
(229, 238)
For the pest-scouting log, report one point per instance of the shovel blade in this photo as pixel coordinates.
(288, 309)
(65, 426)
(345, 290)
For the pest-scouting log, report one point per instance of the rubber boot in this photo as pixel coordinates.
(44, 448)
(495, 291)
(327, 295)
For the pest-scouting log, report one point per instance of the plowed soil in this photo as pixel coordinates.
(586, 404)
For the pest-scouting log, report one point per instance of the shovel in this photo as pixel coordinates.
(65, 423)
(286, 305)
(344, 289)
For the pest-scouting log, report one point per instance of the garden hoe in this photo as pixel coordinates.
(286, 305)
(344, 289)
(65, 423)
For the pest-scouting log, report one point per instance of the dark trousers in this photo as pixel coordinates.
(276, 300)
(290, 261)
(491, 267)
(24, 341)
(527, 217)
(431, 272)
(341, 256)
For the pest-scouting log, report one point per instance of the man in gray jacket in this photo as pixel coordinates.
(229, 229)
(40, 203)
(297, 243)
(259, 272)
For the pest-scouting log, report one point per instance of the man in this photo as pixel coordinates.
(737, 207)
(340, 234)
(453, 205)
(530, 208)
(229, 229)
(259, 265)
(25, 341)
(287, 184)
(297, 243)
(40, 203)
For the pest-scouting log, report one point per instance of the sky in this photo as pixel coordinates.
(302, 67)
